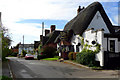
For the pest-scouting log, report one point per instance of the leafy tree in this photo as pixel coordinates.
(6, 42)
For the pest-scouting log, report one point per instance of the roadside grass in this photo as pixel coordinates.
(11, 56)
(5, 60)
(5, 78)
(55, 58)
(50, 59)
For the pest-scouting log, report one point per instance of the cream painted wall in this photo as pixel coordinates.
(98, 23)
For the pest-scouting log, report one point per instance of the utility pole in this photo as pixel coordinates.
(42, 27)
(42, 31)
(23, 42)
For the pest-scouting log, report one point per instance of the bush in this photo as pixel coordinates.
(14, 54)
(74, 55)
(70, 55)
(41, 56)
(86, 57)
(6, 78)
(24, 53)
(49, 51)
(5, 53)
(65, 55)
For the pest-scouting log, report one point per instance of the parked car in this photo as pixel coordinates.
(29, 56)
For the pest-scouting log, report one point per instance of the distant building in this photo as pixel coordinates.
(50, 37)
(27, 47)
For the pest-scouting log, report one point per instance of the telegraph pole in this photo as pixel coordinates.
(42, 27)
(23, 42)
(42, 31)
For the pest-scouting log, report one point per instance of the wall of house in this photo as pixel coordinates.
(75, 40)
(27, 49)
(98, 23)
(98, 37)
(90, 36)
(20, 50)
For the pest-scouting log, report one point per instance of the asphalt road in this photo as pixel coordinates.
(22, 68)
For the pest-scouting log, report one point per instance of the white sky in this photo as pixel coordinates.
(17, 10)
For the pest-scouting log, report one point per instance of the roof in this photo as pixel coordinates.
(64, 36)
(45, 39)
(36, 44)
(26, 45)
(80, 23)
(114, 35)
(53, 36)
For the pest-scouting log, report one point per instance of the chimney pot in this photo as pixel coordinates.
(52, 28)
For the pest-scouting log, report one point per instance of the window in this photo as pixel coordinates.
(112, 45)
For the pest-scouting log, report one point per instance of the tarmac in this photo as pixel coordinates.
(6, 71)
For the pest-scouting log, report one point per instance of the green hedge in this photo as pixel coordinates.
(49, 51)
(74, 55)
(41, 56)
(70, 55)
(86, 57)
(14, 54)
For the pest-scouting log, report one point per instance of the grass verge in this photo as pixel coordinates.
(50, 59)
(5, 78)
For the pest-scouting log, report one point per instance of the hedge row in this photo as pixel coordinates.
(72, 55)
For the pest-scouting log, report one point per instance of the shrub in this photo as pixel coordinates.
(86, 57)
(24, 52)
(70, 55)
(65, 55)
(5, 53)
(14, 54)
(6, 78)
(74, 55)
(41, 56)
(49, 51)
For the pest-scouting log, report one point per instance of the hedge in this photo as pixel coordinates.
(70, 55)
(86, 58)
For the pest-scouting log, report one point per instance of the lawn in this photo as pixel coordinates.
(5, 78)
(50, 59)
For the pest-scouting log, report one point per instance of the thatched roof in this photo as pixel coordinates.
(53, 36)
(80, 23)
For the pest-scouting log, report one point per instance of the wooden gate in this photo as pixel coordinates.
(111, 60)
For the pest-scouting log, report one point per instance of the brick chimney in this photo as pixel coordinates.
(47, 32)
(52, 28)
(41, 36)
(79, 9)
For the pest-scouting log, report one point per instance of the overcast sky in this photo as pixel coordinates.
(24, 17)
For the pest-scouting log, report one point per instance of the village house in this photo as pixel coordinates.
(29, 48)
(93, 26)
(50, 36)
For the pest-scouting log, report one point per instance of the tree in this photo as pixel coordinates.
(6, 42)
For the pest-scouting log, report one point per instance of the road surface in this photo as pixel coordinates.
(22, 68)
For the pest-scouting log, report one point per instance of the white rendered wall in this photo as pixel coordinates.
(98, 23)
(75, 40)
(20, 50)
(91, 36)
